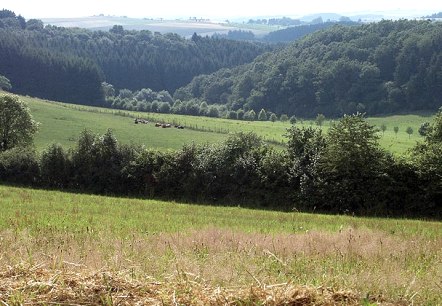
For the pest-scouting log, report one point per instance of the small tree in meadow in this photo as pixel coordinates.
(17, 127)
(5, 84)
(396, 130)
(424, 129)
(383, 128)
(250, 115)
(273, 117)
(232, 115)
(320, 118)
(409, 131)
(284, 118)
(293, 119)
(262, 116)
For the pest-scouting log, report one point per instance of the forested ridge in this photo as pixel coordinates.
(69, 64)
(375, 68)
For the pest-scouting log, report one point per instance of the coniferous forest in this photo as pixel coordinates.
(69, 64)
(376, 68)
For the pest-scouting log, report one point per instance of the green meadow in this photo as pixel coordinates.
(62, 123)
(386, 260)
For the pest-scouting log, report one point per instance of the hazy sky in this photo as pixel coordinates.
(211, 9)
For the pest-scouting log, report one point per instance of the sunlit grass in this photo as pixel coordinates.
(62, 123)
(397, 259)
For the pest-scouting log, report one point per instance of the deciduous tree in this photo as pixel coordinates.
(16, 124)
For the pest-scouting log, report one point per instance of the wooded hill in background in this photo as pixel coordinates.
(376, 68)
(286, 35)
(69, 64)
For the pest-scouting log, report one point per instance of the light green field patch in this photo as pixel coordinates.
(62, 123)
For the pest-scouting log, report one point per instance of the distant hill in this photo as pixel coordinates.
(323, 16)
(69, 64)
(376, 68)
(184, 28)
(437, 15)
(291, 34)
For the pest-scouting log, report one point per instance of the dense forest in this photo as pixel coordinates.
(375, 68)
(70, 64)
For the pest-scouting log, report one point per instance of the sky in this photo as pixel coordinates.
(225, 9)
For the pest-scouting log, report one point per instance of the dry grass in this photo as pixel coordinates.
(215, 267)
(36, 285)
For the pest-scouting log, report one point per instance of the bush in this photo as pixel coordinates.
(352, 167)
(55, 167)
(19, 166)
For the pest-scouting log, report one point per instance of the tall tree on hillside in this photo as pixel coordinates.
(5, 84)
(351, 169)
(16, 124)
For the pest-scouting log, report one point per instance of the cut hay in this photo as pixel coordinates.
(39, 285)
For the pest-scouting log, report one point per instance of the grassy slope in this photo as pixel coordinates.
(399, 260)
(62, 123)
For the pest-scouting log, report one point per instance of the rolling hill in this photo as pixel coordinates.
(378, 68)
(62, 123)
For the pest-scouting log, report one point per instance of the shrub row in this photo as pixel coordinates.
(344, 171)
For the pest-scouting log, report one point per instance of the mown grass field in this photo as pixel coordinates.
(62, 123)
(382, 260)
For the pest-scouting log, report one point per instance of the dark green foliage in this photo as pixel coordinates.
(344, 171)
(352, 167)
(305, 147)
(17, 127)
(19, 166)
(409, 131)
(69, 64)
(424, 128)
(44, 73)
(97, 163)
(427, 158)
(139, 175)
(5, 84)
(55, 167)
(297, 32)
(262, 116)
(320, 118)
(237, 35)
(284, 118)
(374, 68)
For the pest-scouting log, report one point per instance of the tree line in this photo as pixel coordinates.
(343, 171)
(69, 64)
(374, 68)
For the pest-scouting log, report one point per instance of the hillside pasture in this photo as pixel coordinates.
(63, 123)
(49, 238)
(181, 27)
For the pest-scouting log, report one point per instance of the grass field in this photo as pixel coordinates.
(181, 27)
(62, 123)
(47, 237)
